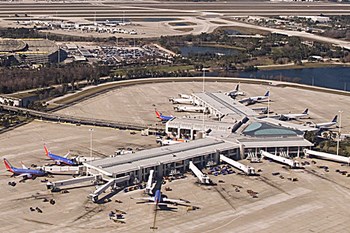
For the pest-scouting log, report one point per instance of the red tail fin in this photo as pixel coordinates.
(46, 150)
(8, 165)
(158, 114)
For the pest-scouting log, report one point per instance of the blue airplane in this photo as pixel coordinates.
(24, 172)
(162, 117)
(160, 200)
(60, 159)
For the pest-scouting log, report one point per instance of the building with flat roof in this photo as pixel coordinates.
(238, 134)
(173, 159)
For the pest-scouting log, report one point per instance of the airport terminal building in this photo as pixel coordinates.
(234, 131)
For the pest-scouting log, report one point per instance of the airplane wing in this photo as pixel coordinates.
(144, 198)
(24, 166)
(67, 154)
(175, 201)
(28, 175)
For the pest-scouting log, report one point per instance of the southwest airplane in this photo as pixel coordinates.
(60, 159)
(255, 99)
(24, 172)
(162, 117)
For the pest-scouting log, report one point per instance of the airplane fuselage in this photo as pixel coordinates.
(61, 160)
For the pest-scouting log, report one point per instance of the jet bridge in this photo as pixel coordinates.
(110, 183)
(250, 171)
(54, 186)
(322, 155)
(149, 185)
(63, 169)
(291, 163)
(204, 179)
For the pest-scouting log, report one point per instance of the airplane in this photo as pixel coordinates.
(185, 96)
(327, 125)
(24, 172)
(171, 141)
(295, 116)
(190, 109)
(60, 159)
(234, 93)
(160, 200)
(181, 100)
(255, 99)
(162, 117)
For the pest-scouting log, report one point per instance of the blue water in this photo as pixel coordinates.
(157, 19)
(331, 77)
(188, 50)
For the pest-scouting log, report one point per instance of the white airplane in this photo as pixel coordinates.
(150, 185)
(255, 99)
(166, 141)
(327, 125)
(262, 110)
(190, 109)
(234, 93)
(294, 116)
(185, 96)
(181, 100)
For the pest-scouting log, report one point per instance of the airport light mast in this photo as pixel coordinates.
(91, 131)
(204, 69)
(338, 141)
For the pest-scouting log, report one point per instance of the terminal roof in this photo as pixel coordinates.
(225, 105)
(162, 155)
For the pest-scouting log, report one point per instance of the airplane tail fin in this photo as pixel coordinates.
(267, 93)
(46, 150)
(237, 87)
(8, 165)
(306, 111)
(158, 114)
(335, 119)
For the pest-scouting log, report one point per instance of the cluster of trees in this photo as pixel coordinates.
(33, 33)
(17, 79)
(144, 72)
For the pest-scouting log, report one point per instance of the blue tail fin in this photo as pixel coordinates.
(335, 119)
(267, 93)
(306, 111)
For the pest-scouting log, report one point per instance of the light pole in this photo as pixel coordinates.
(204, 69)
(338, 141)
(91, 131)
(268, 105)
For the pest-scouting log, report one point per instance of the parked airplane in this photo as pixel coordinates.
(255, 99)
(181, 100)
(60, 159)
(162, 117)
(170, 141)
(190, 109)
(234, 93)
(185, 96)
(160, 200)
(327, 125)
(295, 116)
(24, 172)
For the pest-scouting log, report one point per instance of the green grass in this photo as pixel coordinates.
(305, 65)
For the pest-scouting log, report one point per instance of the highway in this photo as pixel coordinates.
(76, 120)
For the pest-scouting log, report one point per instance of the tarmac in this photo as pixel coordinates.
(317, 202)
(137, 103)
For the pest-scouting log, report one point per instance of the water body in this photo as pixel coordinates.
(331, 77)
(192, 50)
(157, 19)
